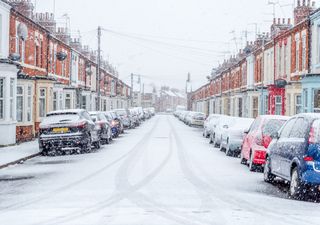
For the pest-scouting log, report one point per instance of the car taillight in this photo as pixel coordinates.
(312, 138)
(308, 159)
(80, 125)
(266, 141)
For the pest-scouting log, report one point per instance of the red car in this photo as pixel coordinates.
(258, 138)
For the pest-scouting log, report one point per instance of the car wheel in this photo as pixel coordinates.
(210, 141)
(296, 187)
(228, 151)
(86, 148)
(242, 159)
(267, 175)
(252, 165)
(97, 144)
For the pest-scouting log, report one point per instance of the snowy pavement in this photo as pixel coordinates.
(160, 173)
(17, 152)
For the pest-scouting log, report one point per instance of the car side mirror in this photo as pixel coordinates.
(275, 135)
(246, 131)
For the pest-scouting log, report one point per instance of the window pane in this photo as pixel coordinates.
(29, 110)
(1, 88)
(316, 101)
(19, 108)
(1, 108)
(299, 129)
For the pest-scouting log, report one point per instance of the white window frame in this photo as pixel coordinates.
(67, 96)
(11, 99)
(29, 103)
(278, 103)
(42, 97)
(304, 52)
(20, 95)
(298, 105)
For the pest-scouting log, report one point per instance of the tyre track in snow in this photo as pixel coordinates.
(148, 204)
(118, 195)
(232, 200)
(186, 168)
(64, 188)
(127, 191)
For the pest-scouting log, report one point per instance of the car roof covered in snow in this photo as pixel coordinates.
(275, 117)
(309, 115)
(71, 111)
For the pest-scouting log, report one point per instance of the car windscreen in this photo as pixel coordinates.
(272, 126)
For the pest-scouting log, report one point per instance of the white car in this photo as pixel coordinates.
(232, 137)
(223, 124)
(207, 124)
(196, 119)
(212, 126)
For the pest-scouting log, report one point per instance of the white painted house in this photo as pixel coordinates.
(8, 82)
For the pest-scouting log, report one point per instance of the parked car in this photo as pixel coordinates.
(68, 131)
(207, 123)
(115, 124)
(212, 126)
(232, 137)
(125, 117)
(294, 154)
(197, 119)
(222, 125)
(258, 138)
(105, 128)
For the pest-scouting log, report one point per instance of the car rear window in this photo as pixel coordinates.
(272, 126)
(60, 118)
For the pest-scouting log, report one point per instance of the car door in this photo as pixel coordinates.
(249, 138)
(295, 146)
(280, 146)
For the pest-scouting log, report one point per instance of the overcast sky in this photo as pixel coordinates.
(163, 40)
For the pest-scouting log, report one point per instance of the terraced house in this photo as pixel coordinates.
(276, 74)
(43, 69)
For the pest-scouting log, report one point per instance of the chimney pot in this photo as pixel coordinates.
(309, 3)
(279, 20)
(304, 3)
(274, 20)
(313, 4)
(289, 21)
(298, 3)
(283, 21)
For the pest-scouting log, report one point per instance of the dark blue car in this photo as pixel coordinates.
(294, 154)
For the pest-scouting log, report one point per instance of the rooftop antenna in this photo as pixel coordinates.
(273, 3)
(54, 7)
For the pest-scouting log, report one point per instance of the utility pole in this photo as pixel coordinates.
(98, 70)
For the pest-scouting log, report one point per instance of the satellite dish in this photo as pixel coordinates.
(22, 31)
(61, 56)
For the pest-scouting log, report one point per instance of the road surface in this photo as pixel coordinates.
(160, 173)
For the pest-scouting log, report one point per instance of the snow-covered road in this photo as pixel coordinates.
(160, 173)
